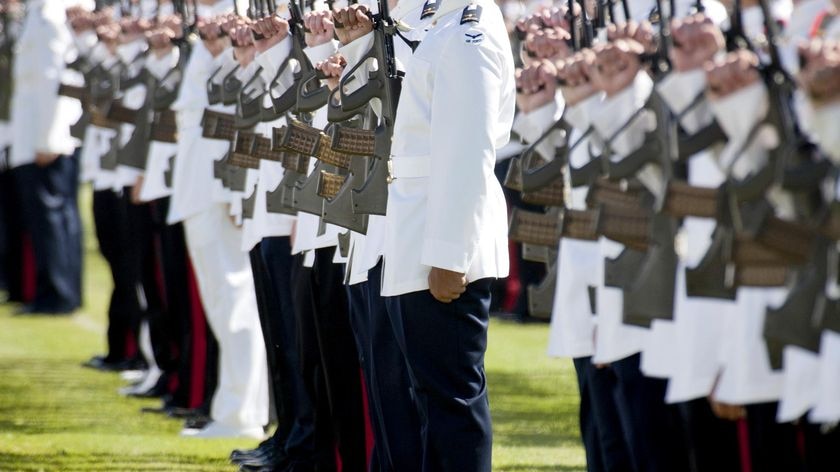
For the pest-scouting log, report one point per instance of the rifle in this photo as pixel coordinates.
(249, 110)
(384, 84)
(306, 94)
(6, 57)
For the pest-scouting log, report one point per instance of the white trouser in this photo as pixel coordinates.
(226, 284)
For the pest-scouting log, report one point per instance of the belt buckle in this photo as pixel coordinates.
(390, 178)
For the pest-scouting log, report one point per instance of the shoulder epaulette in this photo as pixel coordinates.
(429, 9)
(471, 14)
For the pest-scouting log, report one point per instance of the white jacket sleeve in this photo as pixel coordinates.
(50, 135)
(465, 109)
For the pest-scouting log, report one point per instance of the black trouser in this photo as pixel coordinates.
(49, 205)
(652, 428)
(712, 442)
(11, 237)
(111, 220)
(600, 427)
(268, 329)
(298, 430)
(170, 325)
(396, 421)
(773, 445)
(445, 345)
(821, 448)
(329, 362)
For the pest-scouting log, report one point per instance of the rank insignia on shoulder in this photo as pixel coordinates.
(429, 9)
(471, 14)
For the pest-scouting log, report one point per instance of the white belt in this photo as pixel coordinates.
(405, 167)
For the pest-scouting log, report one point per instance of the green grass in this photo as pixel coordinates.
(58, 416)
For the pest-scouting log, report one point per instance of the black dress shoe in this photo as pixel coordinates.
(197, 422)
(109, 365)
(264, 447)
(187, 413)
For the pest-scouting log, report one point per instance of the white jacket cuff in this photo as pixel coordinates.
(446, 255)
(530, 126)
(320, 53)
(160, 66)
(738, 113)
(354, 51)
(616, 111)
(679, 90)
(272, 59)
(825, 120)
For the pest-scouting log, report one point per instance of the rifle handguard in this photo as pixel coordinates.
(683, 200)
(628, 227)
(164, 127)
(613, 194)
(100, 119)
(330, 156)
(552, 195)
(296, 163)
(355, 141)
(541, 229)
(243, 149)
(263, 150)
(122, 114)
(329, 184)
(217, 125)
(298, 137)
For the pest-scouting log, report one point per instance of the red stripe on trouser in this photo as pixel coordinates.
(744, 446)
(28, 270)
(368, 429)
(131, 347)
(513, 283)
(199, 340)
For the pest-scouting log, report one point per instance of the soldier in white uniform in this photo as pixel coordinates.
(446, 223)
(240, 404)
(42, 156)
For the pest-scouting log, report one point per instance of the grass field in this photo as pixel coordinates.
(58, 416)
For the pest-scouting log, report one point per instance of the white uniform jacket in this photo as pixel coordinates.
(445, 207)
(366, 249)
(41, 119)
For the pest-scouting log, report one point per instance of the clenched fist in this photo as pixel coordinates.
(446, 285)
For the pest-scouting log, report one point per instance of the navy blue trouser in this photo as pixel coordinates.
(600, 426)
(713, 442)
(11, 235)
(773, 445)
(49, 207)
(652, 428)
(329, 362)
(299, 428)
(394, 415)
(445, 345)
